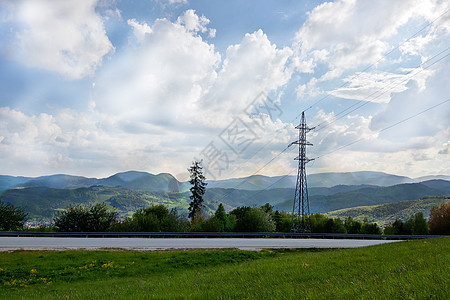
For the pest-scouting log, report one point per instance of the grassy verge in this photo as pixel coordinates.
(411, 269)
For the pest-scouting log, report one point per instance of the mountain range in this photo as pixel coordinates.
(42, 197)
(165, 182)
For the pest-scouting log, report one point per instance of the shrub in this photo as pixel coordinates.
(81, 218)
(352, 226)
(11, 217)
(253, 219)
(370, 228)
(439, 221)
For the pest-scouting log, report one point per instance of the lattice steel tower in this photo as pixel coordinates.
(300, 211)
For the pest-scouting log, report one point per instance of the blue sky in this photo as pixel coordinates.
(100, 86)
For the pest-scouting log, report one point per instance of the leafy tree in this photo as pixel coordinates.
(11, 217)
(370, 228)
(267, 208)
(319, 223)
(100, 218)
(197, 180)
(81, 218)
(155, 218)
(352, 226)
(397, 228)
(278, 219)
(338, 226)
(212, 224)
(439, 221)
(73, 219)
(253, 219)
(418, 224)
(283, 221)
(143, 221)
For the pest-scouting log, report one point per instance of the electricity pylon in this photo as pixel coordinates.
(300, 211)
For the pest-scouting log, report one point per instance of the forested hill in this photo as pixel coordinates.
(44, 202)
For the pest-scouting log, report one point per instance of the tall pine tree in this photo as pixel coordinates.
(198, 190)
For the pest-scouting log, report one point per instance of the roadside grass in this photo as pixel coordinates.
(409, 269)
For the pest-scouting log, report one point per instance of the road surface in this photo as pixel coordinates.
(150, 244)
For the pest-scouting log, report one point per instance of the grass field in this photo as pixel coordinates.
(404, 270)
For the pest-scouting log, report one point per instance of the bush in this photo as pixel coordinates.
(322, 224)
(439, 221)
(81, 218)
(417, 224)
(155, 218)
(253, 219)
(397, 228)
(283, 221)
(11, 217)
(370, 228)
(352, 226)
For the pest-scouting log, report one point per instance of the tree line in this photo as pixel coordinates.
(159, 218)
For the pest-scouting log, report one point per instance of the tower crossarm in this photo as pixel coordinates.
(305, 159)
(301, 142)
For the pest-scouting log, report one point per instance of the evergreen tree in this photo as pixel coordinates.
(225, 220)
(198, 190)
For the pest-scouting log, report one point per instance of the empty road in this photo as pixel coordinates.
(150, 244)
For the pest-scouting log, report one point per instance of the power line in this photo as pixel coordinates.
(354, 142)
(375, 63)
(323, 98)
(381, 92)
(384, 129)
(359, 74)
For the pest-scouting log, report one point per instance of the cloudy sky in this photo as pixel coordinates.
(96, 87)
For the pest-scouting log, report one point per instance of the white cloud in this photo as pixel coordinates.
(254, 65)
(353, 33)
(192, 22)
(67, 37)
(175, 75)
(161, 80)
(139, 29)
(378, 87)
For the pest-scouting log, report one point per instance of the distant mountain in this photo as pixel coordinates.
(356, 178)
(138, 181)
(142, 181)
(7, 182)
(59, 181)
(432, 177)
(442, 185)
(164, 182)
(384, 214)
(254, 183)
(259, 182)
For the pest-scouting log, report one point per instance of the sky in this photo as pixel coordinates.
(97, 87)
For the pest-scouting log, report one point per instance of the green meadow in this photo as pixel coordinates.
(403, 270)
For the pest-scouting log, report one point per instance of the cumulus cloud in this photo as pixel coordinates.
(139, 29)
(346, 34)
(378, 87)
(160, 80)
(254, 65)
(174, 74)
(67, 37)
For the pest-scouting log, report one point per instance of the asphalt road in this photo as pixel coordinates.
(150, 244)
